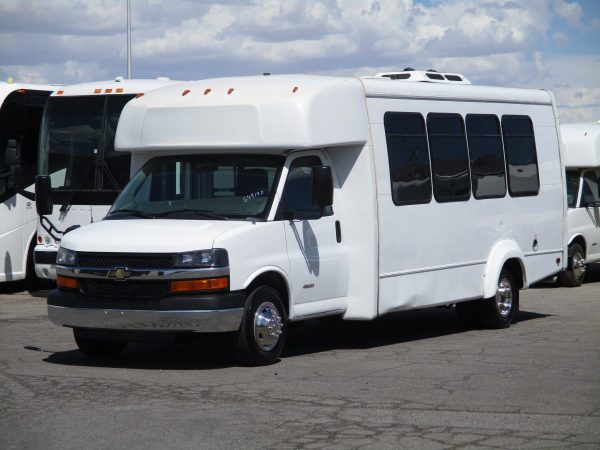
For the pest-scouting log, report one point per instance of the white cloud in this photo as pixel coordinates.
(571, 12)
(491, 42)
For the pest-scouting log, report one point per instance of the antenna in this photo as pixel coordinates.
(129, 39)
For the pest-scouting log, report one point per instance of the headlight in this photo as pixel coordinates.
(65, 257)
(216, 257)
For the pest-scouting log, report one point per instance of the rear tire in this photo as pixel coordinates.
(263, 329)
(98, 348)
(574, 276)
(500, 310)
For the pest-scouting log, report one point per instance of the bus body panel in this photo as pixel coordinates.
(20, 115)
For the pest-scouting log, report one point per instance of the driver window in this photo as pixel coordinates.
(297, 192)
(590, 188)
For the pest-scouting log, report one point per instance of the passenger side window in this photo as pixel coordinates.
(590, 189)
(486, 156)
(408, 158)
(297, 192)
(449, 157)
(521, 158)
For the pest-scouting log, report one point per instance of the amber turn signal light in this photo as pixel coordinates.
(66, 283)
(206, 284)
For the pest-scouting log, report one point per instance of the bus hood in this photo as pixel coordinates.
(148, 235)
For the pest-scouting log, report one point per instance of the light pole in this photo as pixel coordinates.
(129, 39)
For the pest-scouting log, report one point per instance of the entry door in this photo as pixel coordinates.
(590, 203)
(317, 263)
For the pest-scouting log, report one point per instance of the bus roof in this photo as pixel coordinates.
(278, 112)
(8, 88)
(582, 144)
(267, 113)
(117, 86)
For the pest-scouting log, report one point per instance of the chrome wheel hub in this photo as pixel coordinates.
(578, 266)
(267, 326)
(504, 297)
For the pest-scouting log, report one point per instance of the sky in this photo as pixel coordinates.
(545, 44)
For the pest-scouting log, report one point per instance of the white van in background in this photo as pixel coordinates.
(256, 201)
(77, 151)
(21, 107)
(582, 163)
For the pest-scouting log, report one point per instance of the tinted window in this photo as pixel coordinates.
(572, 188)
(297, 192)
(486, 156)
(591, 193)
(449, 157)
(521, 158)
(116, 173)
(408, 158)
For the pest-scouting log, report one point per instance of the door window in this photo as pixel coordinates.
(590, 195)
(297, 192)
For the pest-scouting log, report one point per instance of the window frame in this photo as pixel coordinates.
(466, 147)
(506, 155)
(500, 136)
(396, 201)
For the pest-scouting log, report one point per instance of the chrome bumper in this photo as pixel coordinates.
(207, 321)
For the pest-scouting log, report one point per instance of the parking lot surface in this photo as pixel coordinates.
(409, 380)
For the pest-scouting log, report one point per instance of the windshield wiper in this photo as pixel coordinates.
(133, 212)
(193, 212)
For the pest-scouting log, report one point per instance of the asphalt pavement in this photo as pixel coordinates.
(412, 380)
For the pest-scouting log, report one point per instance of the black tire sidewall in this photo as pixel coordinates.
(488, 312)
(567, 277)
(247, 350)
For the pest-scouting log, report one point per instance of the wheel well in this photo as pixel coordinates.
(581, 241)
(514, 266)
(277, 282)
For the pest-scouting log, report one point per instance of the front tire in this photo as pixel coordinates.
(574, 276)
(262, 332)
(98, 348)
(499, 311)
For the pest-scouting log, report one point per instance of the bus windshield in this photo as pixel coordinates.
(77, 143)
(201, 187)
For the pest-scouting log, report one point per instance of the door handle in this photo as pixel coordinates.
(338, 231)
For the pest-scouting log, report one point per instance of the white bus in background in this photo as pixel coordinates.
(77, 151)
(263, 200)
(582, 163)
(21, 107)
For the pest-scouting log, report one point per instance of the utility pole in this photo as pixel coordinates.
(129, 39)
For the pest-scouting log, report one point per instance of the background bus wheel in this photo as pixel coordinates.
(467, 314)
(263, 328)
(499, 311)
(574, 276)
(98, 348)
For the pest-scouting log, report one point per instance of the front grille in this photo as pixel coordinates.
(128, 260)
(138, 289)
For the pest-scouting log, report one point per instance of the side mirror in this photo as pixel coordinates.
(43, 195)
(322, 186)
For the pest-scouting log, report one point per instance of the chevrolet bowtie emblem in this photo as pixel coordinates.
(119, 273)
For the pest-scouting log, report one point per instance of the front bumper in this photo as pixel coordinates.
(201, 313)
(45, 262)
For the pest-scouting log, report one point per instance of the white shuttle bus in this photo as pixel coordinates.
(257, 201)
(582, 163)
(21, 107)
(77, 151)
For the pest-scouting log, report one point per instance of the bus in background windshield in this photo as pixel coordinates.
(76, 149)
